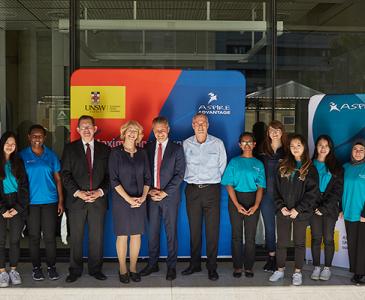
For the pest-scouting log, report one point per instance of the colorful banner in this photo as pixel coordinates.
(342, 117)
(114, 96)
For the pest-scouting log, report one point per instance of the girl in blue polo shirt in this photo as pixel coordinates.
(244, 179)
(13, 204)
(353, 205)
(46, 200)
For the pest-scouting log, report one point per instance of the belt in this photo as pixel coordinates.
(203, 185)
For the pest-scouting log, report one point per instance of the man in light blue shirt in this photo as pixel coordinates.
(205, 163)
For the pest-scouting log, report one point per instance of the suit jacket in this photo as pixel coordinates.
(172, 167)
(75, 176)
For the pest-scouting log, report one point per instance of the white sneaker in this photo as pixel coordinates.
(276, 276)
(316, 273)
(325, 274)
(15, 277)
(297, 278)
(4, 279)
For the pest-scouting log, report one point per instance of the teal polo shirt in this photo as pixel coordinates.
(324, 175)
(40, 171)
(9, 183)
(244, 174)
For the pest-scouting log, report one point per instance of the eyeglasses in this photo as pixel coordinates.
(86, 128)
(243, 143)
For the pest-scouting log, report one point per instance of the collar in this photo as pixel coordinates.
(163, 144)
(91, 143)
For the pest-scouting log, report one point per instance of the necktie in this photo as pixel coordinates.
(159, 161)
(89, 164)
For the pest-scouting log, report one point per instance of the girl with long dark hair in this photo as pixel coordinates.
(13, 204)
(328, 205)
(273, 149)
(296, 193)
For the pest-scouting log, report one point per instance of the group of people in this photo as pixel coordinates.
(289, 188)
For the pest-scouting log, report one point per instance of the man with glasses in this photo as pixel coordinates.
(85, 178)
(206, 160)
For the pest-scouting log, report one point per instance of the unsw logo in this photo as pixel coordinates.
(335, 107)
(214, 109)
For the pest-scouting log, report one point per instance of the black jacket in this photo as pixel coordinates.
(295, 193)
(21, 201)
(329, 203)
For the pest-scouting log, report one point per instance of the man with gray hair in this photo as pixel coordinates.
(206, 161)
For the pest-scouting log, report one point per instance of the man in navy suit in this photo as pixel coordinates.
(168, 165)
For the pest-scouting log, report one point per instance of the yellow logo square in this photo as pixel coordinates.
(102, 102)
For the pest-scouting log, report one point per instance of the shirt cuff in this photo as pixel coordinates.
(102, 192)
(76, 193)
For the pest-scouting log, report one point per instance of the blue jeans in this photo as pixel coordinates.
(268, 210)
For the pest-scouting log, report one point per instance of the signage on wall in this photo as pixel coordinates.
(114, 96)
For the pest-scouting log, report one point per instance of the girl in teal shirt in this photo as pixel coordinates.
(353, 205)
(244, 179)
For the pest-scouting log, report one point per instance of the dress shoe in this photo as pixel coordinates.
(99, 275)
(249, 274)
(124, 278)
(171, 274)
(190, 270)
(237, 273)
(213, 275)
(72, 277)
(135, 277)
(357, 279)
(148, 270)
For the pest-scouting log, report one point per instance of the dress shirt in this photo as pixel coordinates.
(206, 162)
(164, 144)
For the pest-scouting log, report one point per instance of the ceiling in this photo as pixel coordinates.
(25, 14)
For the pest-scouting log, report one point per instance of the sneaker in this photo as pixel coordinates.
(15, 277)
(4, 279)
(316, 273)
(52, 273)
(276, 276)
(270, 265)
(297, 278)
(325, 274)
(37, 274)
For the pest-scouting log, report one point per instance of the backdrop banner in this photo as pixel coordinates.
(114, 96)
(342, 117)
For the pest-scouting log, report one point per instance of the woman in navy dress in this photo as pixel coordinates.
(130, 179)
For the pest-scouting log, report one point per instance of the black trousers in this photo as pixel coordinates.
(203, 203)
(355, 232)
(284, 226)
(246, 257)
(167, 210)
(323, 228)
(42, 218)
(16, 225)
(94, 217)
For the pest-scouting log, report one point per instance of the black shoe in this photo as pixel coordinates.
(148, 270)
(72, 277)
(135, 276)
(249, 274)
(190, 270)
(99, 275)
(37, 274)
(52, 273)
(357, 279)
(171, 274)
(124, 278)
(237, 273)
(213, 275)
(270, 265)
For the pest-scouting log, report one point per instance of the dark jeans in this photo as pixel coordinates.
(42, 218)
(268, 210)
(203, 202)
(167, 210)
(284, 236)
(356, 246)
(323, 227)
(16, 225)
(246, 257)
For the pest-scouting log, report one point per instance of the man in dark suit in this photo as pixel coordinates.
(168, 166)
(85, 178)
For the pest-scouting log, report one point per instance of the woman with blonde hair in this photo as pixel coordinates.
(130, 179)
